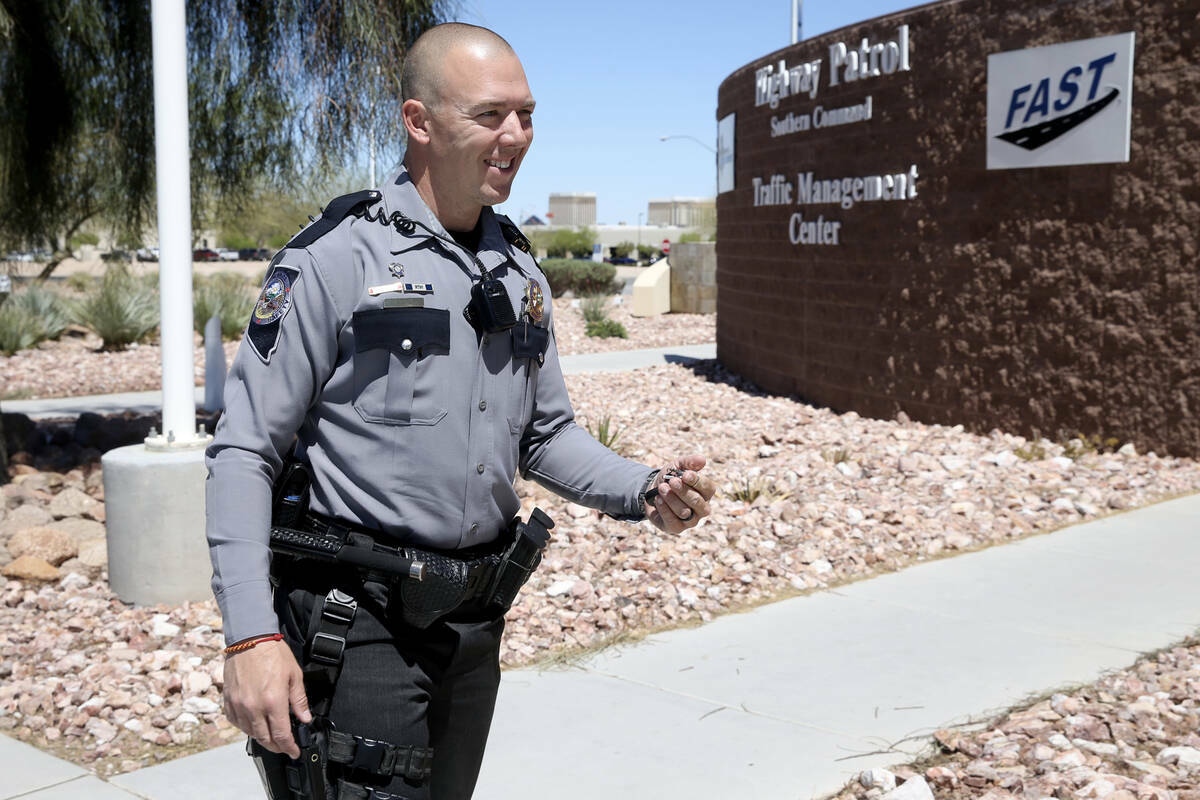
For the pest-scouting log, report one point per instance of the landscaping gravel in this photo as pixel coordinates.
(74, 365)
(809, 499)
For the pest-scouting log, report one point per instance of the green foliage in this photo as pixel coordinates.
(122, 310)
(81, 239)
(622, 250)
(1080, 445)
(581, 277)
(80, 282)
(226, 295)
(594, 308)
(754, 488)
(646, 252)
(1034, 451)
(275, 90)
(235, 241)
(565, 242)
(606, 433)
(606, 329)
(50, 314)
(687, 238)
(18, 328)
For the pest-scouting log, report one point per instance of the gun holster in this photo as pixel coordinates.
(287, 778)
(289, 495)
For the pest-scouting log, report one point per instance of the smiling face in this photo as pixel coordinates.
(476, 133)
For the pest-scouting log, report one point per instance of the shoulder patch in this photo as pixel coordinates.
(331, 216)
(273, 304)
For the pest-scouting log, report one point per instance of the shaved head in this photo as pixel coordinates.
(423, 76)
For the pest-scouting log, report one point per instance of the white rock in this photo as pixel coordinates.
(854, 516)
(1183, 756)
(878, 778)
(766, 451)
(687, 597)
(102, 730)
(187, 719)
(821, 566)
(1101, 787)
(1099, 748)
(560, 587)
(164, 628)
(914, 788)
(154, 700)
(1063, 504)
(952, 464)
(1059, 741)
(1062, 462)
(135, 725)
(197, 682)
(1127, 449)
(200, 705)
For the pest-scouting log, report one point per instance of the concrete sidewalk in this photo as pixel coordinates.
(792, 699)
(150, 402)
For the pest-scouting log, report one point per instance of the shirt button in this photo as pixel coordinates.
(475, 528)
(483, 405)
(479, 468)
(406, 345)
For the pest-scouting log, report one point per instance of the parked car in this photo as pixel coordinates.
(115, 255)
(204, 254)
(254, 254)
(19, 257)
(621, 261)
(147, 254)
(228, 255)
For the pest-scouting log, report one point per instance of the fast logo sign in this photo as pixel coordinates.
(1063, 104)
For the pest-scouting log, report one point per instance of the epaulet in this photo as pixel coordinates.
(331, 216)
(513, 234)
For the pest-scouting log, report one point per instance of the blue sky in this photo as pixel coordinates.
(611, 78)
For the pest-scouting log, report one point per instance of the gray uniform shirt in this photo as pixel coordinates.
(411, 422)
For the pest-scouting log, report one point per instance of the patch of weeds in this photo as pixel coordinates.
(593, 308)
(1080, 445)
(225, 295)
(754, 488)
(81, 282)
(1034, 451)
(606, 433)
(17, 394)
(606, 328)
(836, 456)
(121, 311)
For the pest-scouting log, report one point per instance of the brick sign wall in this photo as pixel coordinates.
(869, 260)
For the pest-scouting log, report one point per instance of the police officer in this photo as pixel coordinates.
(412, 403)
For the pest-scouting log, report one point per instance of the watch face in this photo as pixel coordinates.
(535, 302)
(273, 302)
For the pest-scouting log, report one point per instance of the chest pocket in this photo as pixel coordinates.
(529, 344)
(394, 364)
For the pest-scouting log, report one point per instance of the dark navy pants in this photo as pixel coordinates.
(406, 686)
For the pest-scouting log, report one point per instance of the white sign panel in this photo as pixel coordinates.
(1063, 104)
(725, 153)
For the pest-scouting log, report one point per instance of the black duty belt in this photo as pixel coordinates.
(432, 583)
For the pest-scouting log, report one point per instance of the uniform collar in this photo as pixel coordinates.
(400, 194)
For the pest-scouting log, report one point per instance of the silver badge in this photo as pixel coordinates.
(397, 270)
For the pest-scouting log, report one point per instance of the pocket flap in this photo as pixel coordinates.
(530, 341)
(391, 328)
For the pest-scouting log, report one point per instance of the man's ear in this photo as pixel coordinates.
(416, 120)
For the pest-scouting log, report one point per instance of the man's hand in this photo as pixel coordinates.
(261, 685)
(682, 501)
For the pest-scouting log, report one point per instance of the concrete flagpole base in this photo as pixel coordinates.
(154, 504)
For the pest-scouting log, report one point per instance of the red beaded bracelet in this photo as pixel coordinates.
(248, 643)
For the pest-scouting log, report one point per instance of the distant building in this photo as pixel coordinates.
(573, 208)
(687, 212)
(533, 219)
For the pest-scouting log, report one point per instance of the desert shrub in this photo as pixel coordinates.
(122, 310)
(226, 295)
(18, 328)
(606, 433)
(80, 282)
(48, 310)
(580, 277)
(606, 328)
(594, 308)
